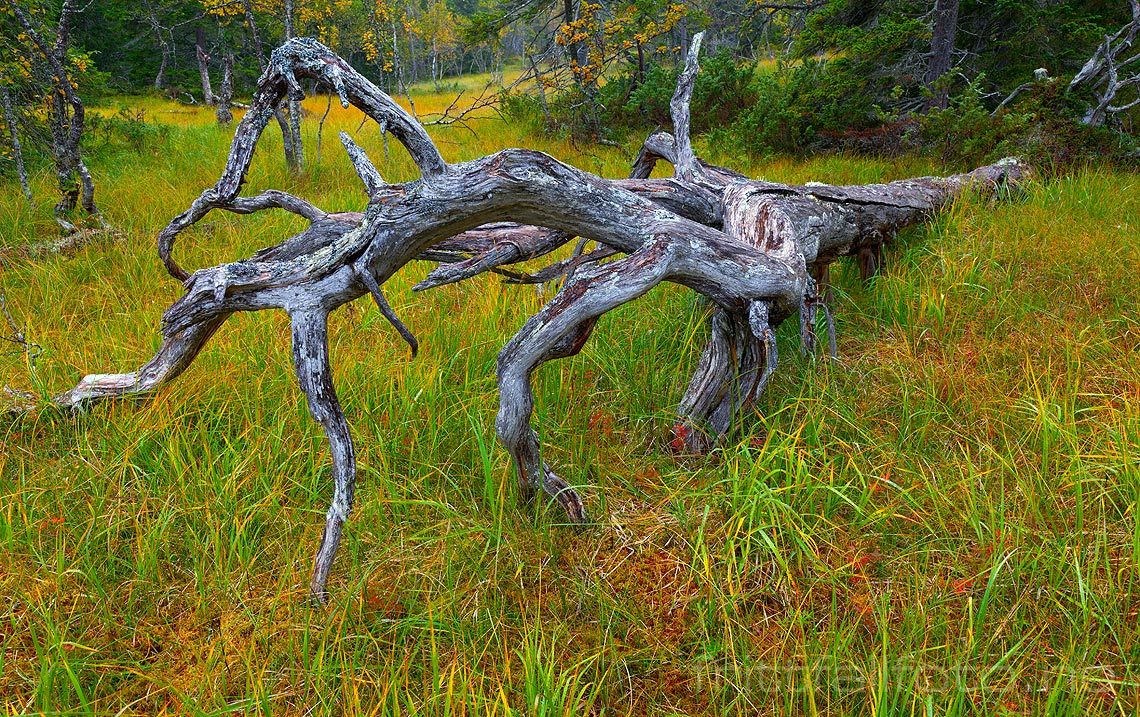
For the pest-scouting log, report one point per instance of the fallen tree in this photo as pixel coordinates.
(758, 251)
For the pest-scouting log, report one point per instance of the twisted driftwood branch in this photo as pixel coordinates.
(1101, 74)
(755, 250)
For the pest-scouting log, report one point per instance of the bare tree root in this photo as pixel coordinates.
(755, 250)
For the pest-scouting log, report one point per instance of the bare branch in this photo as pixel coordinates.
(274, 199)
(1100, 74)
(367, 171)
(498, 245)
(685, 164)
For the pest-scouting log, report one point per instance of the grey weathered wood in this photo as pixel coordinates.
(491, 246)
(685, 162)
(367, 171)
(177, 352)
(1101, 74)
(314, 371)
(753, 249)
(660, 146)
(807, 227)
(17, 148)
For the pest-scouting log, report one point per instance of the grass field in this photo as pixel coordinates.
(943, 523)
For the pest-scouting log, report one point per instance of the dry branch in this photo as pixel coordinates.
(754, 249)
(1101, 74)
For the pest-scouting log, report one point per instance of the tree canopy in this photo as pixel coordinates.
(781, 76)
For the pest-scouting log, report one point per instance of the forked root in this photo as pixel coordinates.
(732, 373)
(557, 331)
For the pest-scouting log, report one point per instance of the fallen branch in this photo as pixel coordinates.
(755, 250)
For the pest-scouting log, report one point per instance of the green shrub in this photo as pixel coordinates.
(522, 109)
(828, 104)
(781, 118)
(723, 90)
(630, 102)
(966, 133)
(127, 130)
(1043, 126)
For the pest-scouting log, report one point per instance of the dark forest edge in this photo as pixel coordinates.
(961, 80)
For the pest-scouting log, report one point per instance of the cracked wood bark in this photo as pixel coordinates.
(369, 175)
(811, 227)
(795, 224)
(744, 245)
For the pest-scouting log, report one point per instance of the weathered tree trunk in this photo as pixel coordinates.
(223, 113)
(747, 246)
(294, 139)
(941, 51)
(203, 65)
(17, 149)
(65, 119)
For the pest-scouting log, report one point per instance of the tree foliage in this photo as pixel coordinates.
(793, 75)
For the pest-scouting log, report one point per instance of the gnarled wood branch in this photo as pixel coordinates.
(1101, 74)
(753, 249)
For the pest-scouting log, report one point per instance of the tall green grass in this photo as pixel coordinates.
(943, 523)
